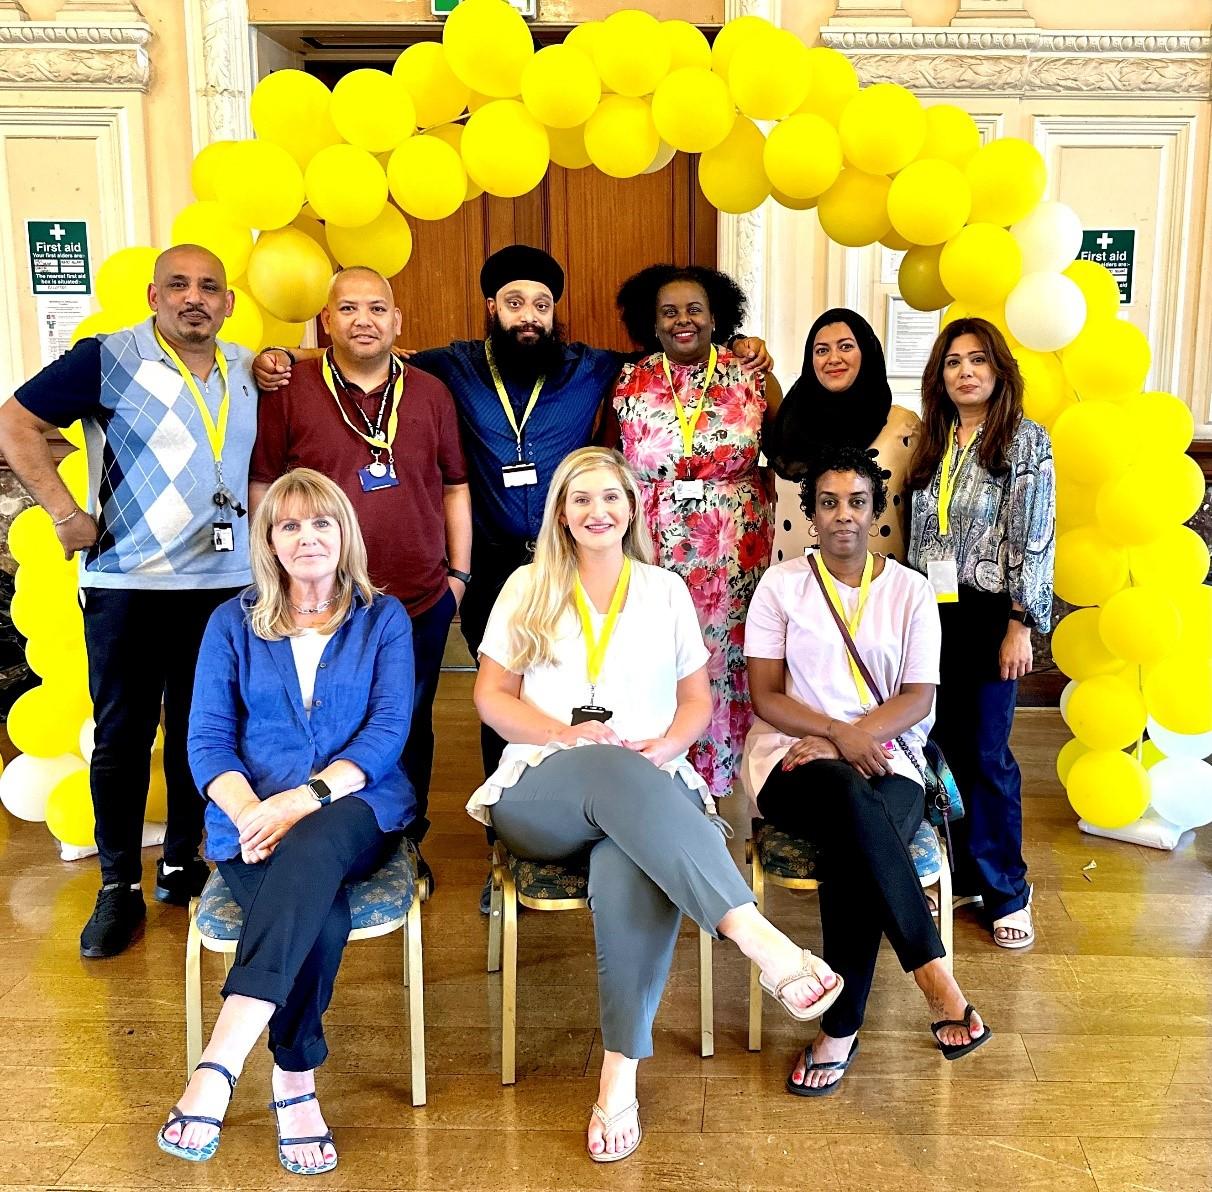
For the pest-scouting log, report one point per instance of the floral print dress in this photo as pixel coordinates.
(719, 545)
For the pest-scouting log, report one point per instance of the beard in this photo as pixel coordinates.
(540, 357)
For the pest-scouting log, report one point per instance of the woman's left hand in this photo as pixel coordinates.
(752, 354)
(809, 749)
(262, 826)
(1015, 655)
(658, 750)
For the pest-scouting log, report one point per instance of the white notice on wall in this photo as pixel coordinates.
(58, 315)
(890, 265)
(908, 337)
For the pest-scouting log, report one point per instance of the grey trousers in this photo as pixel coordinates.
(653, 857)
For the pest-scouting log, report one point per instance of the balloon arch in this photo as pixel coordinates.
(333, 177)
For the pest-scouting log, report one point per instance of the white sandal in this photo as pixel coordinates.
(807, 1013)
(608, 1121)
(1019, 920)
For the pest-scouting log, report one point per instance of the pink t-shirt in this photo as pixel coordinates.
(899, 639)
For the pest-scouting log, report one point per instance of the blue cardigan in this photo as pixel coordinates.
(248, 716)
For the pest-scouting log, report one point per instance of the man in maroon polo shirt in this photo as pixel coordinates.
(388, 434)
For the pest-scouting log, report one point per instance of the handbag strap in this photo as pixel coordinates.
(872, 685)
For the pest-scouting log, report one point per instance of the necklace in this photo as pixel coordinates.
(307, 612)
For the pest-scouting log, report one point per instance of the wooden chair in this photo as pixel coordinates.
(386, 901)
(784, 860)
(554, 886)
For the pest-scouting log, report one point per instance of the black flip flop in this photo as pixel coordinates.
(953, 1051)
(823, 1090)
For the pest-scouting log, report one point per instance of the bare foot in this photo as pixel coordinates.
(806, 990)
(616, 1094)
(946, 1001)
(1015, 929)
(206, 1095)
(824, 1049)
(301, 1121)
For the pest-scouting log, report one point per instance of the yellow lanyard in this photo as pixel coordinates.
(216, 435)
(376, 444)
(506, 404)
(688, 416)
(595, 648)
(947, 479)
(852, 620)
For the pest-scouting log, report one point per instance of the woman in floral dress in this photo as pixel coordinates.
(709, 508)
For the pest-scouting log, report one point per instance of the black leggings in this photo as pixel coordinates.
(869, 886)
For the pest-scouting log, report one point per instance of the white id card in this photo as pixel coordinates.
(519, 475)
(687, 490)
(944, 580)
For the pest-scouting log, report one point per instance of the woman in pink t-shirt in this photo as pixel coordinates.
(836, 771)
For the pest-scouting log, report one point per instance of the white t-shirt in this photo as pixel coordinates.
(656, 642)
(307, 648)
(899, 639)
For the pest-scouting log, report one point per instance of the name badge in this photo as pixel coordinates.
(687, 490)
(519, 475)
(222, 536)
(944, 580)
(376, 476)
(590, 712)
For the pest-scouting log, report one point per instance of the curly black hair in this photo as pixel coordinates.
(637, 299)
(842, 457)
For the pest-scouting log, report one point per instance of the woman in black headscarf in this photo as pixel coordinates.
(842, 397)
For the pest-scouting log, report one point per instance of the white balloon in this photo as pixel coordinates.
(1197, 745)
(1045, 311)
(86, 739)
(27, 782)
(1182, 791)
(665, 154)
(1065, 696)
(1050, 237)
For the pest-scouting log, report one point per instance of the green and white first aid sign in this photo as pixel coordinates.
(1115, 249)
(58, 256)
(443, 8)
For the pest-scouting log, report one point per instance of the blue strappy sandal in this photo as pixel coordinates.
(176, 1117)
(322, 1139)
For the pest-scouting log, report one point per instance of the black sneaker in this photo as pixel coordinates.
(424, 872)
(186, 883)
(117, 921)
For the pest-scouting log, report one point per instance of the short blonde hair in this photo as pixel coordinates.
(303, 492)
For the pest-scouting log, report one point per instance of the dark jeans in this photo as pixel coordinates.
(296, 922)
(429, 632)
(142, 650)
(869, 886)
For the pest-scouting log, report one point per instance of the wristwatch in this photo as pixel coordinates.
(455, 573)
(320, 791)
(1023, 617)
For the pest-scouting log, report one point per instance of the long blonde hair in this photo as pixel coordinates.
(303, 493)
(549, 594)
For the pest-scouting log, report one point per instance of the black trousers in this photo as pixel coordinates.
(142, 650)
(869, 886)
(296, 922)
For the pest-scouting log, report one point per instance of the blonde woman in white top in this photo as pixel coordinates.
(591, 632)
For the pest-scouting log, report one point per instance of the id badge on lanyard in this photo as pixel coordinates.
(944, 580)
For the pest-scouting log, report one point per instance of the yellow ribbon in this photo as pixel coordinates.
(947, 480)
(216, 434)
(688, 416)
(853, 620)
(393, 419)
(595, 648)
(506, 404)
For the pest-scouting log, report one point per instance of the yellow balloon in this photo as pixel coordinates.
(585, 36)
(58, 660)
(1178, 694)
(280, 334)
(769, 76)
(1065, 759)
(732, 36)
(69, 810)
(452, 134)
(560, 86)
(124, 276)
(692, 109)
(951, 135)
(1109, 357)
(854, 210)
(882, 128)
(262, 186)
(426, 177)
(244, 326)
(293, 109)
(732, 176)
(1177, 558)
(620, 137)
(1089, 567)
(1079, 650)
(1008, 176)
(1195, 607)
(1140, 624)
(288, 274)
(345, 185)
(1106, 712)
(1160, 423)
(505, 149)
(803, 156)
(31, 538)
(919, 281)
(100, 322)
(487, 47)
(631, 53)
(929, 201)
(568, 147)
(373, 110)
(981, 264)
(74, 434)
(687, 45)
(1108, 789)
(1090, 442)
(438, 95)
(384, 244)
(73, 471)
(832, 83)
(45, 722)
(1076, 505)
(894, 240)
(157, 791)
(792, 204)
(1150, 755)
(1145, 500)
(212, 226)
(1099, 286)
(1046, 393)
(208, 169)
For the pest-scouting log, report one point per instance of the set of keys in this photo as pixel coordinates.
(223, 537)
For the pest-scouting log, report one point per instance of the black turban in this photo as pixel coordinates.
(520, 262)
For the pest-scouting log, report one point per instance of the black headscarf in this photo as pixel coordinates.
(811, 416)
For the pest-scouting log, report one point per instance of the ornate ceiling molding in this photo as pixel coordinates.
(41, 56)
(1034, 62)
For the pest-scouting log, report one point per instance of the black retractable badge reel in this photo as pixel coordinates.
(222, 532)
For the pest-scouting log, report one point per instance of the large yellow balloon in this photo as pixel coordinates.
(1076, 505)
(1195, 607)
(438, 95)
(262, 186)
(1176, 559)
(487, 46)
(1008, 176)
(1065, 760)
(427, 178)
(687, 45)
(854, 210)
(1145, 500)
(58, 660)
(45, 722)
(211, 225)
(1090, 442)
(288, 274)
(918, 279)
(560, 86)
(882, 128)
(620, 137)
(1178, 694)
(1079, 650)
(732, 36)
(345, 185)
(69, 810)
(1089, 567)
(929, 201)
(100, 322)
(692, 109)
(832, 83)
(1140, 624)
(951, 135)
(373, 110)
(244, 326)
(208, 169)
(803, 156)
(1108, 789)
(384, 244)
(279, 334)
(631, 53)
(292, 108)
(452, 134)
(732, 175)
(1106, 712)
(981, 264)
(1046, 393)
(505, 149)
(769, 76)
(585, 36)
(1099, 286)
(73, 471)
(1160, 423)
(124, 276)
(568, 147)
(32, 540)
(1109, 358)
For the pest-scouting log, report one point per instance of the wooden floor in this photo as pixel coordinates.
(1098, 1078)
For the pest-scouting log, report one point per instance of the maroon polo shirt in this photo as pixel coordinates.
(299, 426)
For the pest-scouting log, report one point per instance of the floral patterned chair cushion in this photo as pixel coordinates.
(787, 856)
(551, 879)
(381, 898)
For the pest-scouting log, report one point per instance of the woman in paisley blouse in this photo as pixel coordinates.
(982, 530)
(691, 420)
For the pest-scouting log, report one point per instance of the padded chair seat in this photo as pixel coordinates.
(551, 879)
(787, 856)
(383, 897)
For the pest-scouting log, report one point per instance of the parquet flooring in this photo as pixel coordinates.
(1098, 1079)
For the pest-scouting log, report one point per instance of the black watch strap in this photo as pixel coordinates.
(1022, 617)
(320, 790)
(455, 573)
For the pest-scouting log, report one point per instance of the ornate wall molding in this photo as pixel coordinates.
(38, 56)
(1035, 62)
(220, 70)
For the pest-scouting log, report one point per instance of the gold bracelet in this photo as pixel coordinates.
(64, 520)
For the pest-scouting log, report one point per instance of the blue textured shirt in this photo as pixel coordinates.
(248, 716)
(562, 421)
